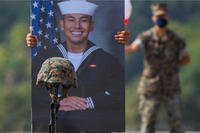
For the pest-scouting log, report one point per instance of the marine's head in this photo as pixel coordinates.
(160, 14)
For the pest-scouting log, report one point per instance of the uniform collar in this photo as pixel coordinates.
(161, 38)
(90, 44)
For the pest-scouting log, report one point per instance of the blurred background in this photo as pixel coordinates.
(15, 76)
(185, 20)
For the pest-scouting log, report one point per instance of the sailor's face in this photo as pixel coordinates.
(77, 27)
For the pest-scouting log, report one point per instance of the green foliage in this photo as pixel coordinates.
(132, 114)
(15, 110)
(12, 11)
(190, 74)
(15, 96)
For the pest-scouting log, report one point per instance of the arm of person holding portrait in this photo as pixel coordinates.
(123, 37)
(184, 57)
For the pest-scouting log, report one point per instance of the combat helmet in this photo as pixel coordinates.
(57, 72)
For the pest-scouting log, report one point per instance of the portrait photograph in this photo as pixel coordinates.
(82, 32)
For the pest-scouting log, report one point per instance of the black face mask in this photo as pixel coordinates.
(161, 22)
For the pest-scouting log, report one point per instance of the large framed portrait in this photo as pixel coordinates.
(69, 30)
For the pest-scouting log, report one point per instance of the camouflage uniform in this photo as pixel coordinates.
(160, 81)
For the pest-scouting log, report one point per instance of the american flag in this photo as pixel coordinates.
(127, 12)
(44, 25)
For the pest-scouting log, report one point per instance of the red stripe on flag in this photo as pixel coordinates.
(126, 22)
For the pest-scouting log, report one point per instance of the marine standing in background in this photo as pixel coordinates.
(164, 53)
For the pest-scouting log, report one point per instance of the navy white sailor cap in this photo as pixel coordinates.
(77, 6)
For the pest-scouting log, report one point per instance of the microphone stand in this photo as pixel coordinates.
(53, 113)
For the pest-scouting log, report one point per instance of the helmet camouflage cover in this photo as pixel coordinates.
(57, 71)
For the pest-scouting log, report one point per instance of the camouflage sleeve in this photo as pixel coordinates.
(142, 39)
(183, 51)
(138, 42)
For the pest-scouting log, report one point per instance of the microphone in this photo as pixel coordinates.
(58, 76)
